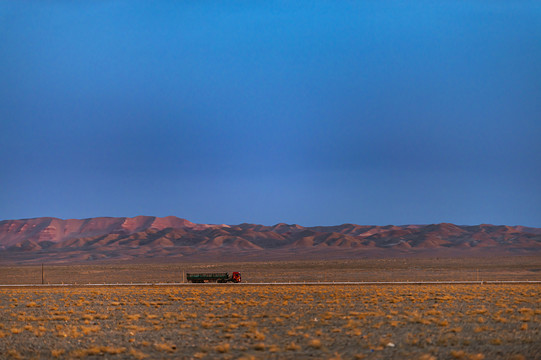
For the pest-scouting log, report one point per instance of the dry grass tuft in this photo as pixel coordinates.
(98, 350)
(223, 348)
(14, 354)
(292, 347)
(165, 347)
(137, 354)
(260, 346)
(57, 352)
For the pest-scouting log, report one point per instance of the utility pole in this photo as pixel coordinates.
(42, 279)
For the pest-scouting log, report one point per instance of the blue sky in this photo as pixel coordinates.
(309, 112)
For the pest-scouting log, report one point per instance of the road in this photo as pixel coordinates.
(336, 283)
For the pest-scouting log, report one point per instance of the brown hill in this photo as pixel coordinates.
(147, 237)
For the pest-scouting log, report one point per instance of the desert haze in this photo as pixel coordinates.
(146, 237)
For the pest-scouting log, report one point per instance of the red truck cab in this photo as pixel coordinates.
(235, 277)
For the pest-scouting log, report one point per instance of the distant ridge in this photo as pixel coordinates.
(51, 239)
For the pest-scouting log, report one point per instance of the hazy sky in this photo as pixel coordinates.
(309, 112)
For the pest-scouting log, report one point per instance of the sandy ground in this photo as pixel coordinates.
(386, 269)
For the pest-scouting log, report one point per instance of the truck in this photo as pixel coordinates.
(213, 277)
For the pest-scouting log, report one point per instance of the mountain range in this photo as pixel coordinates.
(140, 238)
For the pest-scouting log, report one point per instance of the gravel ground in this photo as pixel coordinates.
(273, 322)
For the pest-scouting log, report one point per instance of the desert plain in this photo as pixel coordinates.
(251, 320)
